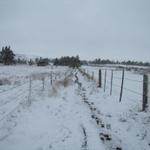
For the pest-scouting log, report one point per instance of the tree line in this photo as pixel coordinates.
(73, 62)
(7, 57)
(129, 62)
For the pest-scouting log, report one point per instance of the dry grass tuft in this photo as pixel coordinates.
(65, 82)
(5, 82)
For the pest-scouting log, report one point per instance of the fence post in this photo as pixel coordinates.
(111, 82)
(92, 75)
(105, 80)
(100, 79)
(121, 91)
(87, 72)
(55, 77)
(145, 92)
(43, 82)
(83, 71)
(51, 78)
(59, 76)
(30, 88)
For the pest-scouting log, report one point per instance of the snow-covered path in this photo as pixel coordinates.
(58, 122)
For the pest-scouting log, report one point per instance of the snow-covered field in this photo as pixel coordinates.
(70, 112)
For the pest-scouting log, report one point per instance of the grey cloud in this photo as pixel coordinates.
(115, 29)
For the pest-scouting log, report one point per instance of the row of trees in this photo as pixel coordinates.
(7, 57)
(73, 62)
(107, 61)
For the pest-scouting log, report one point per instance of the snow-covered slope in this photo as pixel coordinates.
(68, 112)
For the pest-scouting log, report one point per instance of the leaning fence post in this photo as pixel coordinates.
(30, 88)
(121, 91)
(100, 79)
(111, 82)
(105, 80)
(145, 92)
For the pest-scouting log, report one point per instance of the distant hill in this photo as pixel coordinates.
(25, 57)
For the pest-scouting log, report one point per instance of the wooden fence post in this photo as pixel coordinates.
(145, 92)
(111, 82)
(100, 79)
(92, 75)
(121, 91)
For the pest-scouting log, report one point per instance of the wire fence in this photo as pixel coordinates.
(22, 94)
(125, 81)
(14, 87)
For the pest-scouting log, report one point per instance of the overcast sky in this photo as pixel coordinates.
(114, 29)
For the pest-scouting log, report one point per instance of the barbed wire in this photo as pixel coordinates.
(10, 112)
(20, 94)
(14, 87)
(125, 77)
(19, 102)
(129, 90)
(126, 96)
(133, 80)
(135, 92)
(10, 101)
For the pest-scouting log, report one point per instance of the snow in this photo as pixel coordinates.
(60, 115)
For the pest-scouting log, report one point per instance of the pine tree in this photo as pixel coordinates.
(73, 62)
(7, 56)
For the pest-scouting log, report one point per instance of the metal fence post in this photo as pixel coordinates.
(145, 92)
(100, 79)
(121, 91)
(111, 82)
(105, 80)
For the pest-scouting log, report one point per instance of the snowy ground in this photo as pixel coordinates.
(71, 114)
